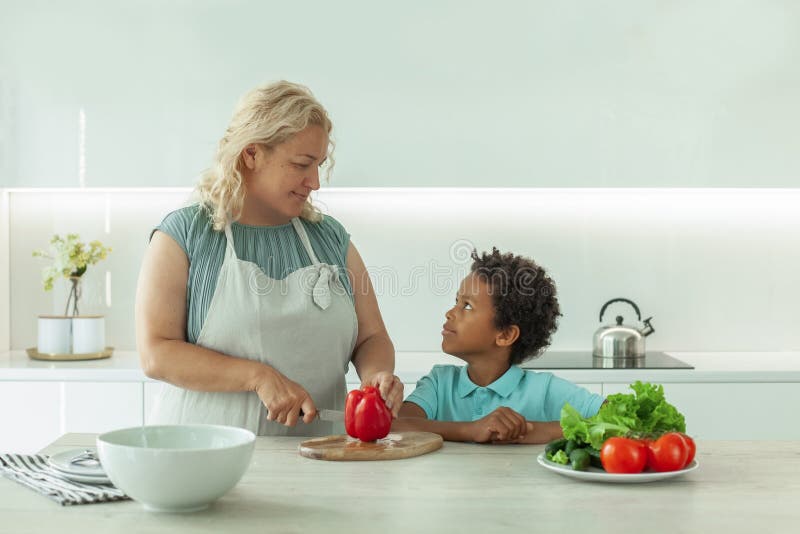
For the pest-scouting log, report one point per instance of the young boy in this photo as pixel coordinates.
(505, 312)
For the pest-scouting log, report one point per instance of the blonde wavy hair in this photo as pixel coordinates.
(268, 115)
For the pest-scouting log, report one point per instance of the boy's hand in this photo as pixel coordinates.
(502, 425)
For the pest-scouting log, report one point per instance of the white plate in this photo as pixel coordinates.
(594, 474)
(102, 479)
(84, 478)
(63, 462)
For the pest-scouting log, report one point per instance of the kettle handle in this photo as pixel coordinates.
(612, 301)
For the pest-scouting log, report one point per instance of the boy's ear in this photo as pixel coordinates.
(507, 336)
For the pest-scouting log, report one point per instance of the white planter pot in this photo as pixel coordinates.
(88, 334)
(54, 334)
(65, 334)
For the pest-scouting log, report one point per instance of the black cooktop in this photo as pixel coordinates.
(585, 360)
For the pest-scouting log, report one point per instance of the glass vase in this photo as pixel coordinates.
(74, 296)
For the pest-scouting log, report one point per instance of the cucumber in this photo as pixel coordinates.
(555, 446)
(579, 459)
(571, 446)
(594, 457)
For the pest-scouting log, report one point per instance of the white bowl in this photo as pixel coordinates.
(176, 468)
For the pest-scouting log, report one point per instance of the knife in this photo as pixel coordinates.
(337, 416)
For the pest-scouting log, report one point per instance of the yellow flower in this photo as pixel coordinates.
(70, 257)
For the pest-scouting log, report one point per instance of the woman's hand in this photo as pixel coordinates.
(390, 387)
(502, 425)
(284, 398)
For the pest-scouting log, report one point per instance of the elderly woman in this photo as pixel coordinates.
(251, 304)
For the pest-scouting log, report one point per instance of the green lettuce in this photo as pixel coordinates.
(645, 412)
(560, 457)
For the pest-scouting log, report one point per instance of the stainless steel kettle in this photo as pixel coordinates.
(621, 341)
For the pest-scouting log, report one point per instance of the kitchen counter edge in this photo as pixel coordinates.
(727, 367)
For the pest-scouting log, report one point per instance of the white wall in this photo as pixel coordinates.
(556, 93)
(717, 268)
(5, 320)
(121, 219)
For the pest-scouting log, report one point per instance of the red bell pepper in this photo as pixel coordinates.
(366, 416)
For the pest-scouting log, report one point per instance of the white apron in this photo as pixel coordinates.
(304, 326)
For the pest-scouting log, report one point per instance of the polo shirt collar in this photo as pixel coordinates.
(503, 386)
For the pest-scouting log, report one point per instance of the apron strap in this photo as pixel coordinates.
(229, 250)
(321, 292)
(301, 233)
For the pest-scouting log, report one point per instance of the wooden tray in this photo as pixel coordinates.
(36, 355)
(395, 446)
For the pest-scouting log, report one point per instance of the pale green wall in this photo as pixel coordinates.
(422, 93)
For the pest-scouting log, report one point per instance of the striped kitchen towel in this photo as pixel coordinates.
(32, 470)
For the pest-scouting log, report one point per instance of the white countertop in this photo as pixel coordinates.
(737, 488)
(123, 366)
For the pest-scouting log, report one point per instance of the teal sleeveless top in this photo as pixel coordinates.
(277, 250)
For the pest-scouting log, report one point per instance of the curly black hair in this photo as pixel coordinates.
(523, 295)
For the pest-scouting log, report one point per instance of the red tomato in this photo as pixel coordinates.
(692, 448)
(623, 455)
(668, 453)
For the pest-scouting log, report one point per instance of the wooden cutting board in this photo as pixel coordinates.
(395, 446)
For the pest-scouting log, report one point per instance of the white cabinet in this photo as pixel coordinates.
(97, 407)
(30, 415)
(34, 414)
(733, 410)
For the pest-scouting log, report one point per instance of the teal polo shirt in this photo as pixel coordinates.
(447, 394)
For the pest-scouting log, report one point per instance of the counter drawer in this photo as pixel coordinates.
(733, 411)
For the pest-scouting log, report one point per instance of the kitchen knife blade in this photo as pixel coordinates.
(336, 416)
